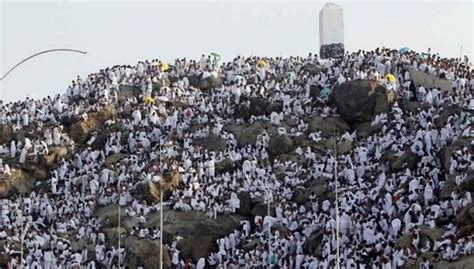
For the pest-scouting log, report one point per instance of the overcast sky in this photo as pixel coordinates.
(126, 32)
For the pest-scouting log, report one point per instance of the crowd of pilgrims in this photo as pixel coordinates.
(376, 206)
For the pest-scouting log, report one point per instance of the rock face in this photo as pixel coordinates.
(224, 166)
(18, 182)
(429, 81)
(468, 184)
(327, 144)
(365, 129)
(113, 159)
(397, 163)
(6, 134)
(279, 145)
(55, 154)
(425, 233)
(466, 216)
(128, 91)
(312, 68)
(210, 83)
(212, 143)
(359, 100)
(245, 203)
(145, 253)
(247, 134)
(199, 232)
(313, 243)
(448, 151)
(81, 130)
(463, 263)
(448, 111)
(151, 191)
(319, 188)
(328, 126)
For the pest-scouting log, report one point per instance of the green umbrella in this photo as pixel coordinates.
(325, 93)
(216, 56)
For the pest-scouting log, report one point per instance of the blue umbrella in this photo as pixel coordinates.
(324, 94)
(404, 49)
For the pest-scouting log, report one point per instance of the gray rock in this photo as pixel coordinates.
(212, 143)
(328, 126)
(210, 83)
(359, 100)
(280, 144)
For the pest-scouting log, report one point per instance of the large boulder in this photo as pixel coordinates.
(360, 100)
(259, 106)
(194, 81)
(108, 216)
(366, 129)
(327, 145)
(448, 187)
(225, 165)
(413, 106)
(148, 191)
(429, 81)
(466, 215)
(4, 188)
(397, 163)
(81, 130)
(247, 134)
(261, 209)
(312, 68)
(313, 244)
(210, 83)
(319, 188)
(328, 126)
(256, 106)
(212, 143)
(18, 182)
(448, 111)
(447, 151)
(466, 262)
(145, 253)
(199, 232)
(113, 159)
(468, 184)
(274, 107)
(128, 91)
(6, 134)
(280, 144)
(151, 191)
(55, 155)
(315, 91)
(245, 203)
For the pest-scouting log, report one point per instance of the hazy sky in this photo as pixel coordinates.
(126, 32)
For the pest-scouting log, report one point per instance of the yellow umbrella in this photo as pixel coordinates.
(262, 64)
(164, 66)
(149, 101)
(391, 78)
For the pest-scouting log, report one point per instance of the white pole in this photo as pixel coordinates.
(161, 226)
(118, 203)
(337, 201)
(21, 241)
(269, 228)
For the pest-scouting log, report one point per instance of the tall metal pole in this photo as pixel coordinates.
(119, 233)
(269, 227)
(161, 225)
(21, 240)
(337, 201)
